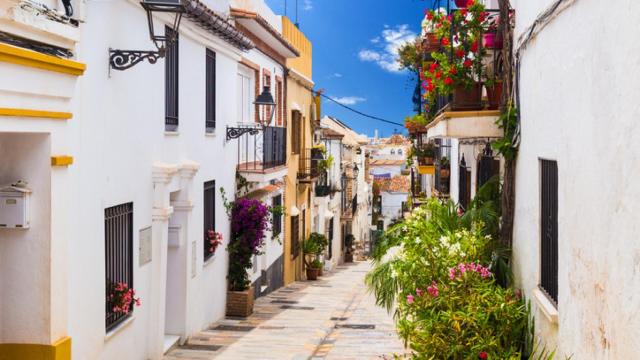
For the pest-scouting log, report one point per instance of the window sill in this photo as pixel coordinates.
(209, 261)
(171, 133)
(546, 306)
(113, 332)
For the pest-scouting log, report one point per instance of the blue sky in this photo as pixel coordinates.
(352, 55)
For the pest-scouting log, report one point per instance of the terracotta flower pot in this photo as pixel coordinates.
(312, 273)
(321, 271)
(462, 4)
(240, 303)
(444, 173)
(467, 98)
(348, 257)
(425, 160)
(492, 41)
(494, 95)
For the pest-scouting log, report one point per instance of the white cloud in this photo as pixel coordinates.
(348, 100)
(335, 75)
(388, 43)
(307, 5)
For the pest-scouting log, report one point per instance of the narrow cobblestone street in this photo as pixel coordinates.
(332, 318)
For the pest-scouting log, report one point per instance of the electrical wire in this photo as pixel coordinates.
(360, 112)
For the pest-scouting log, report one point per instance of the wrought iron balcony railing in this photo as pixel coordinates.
(263, 151)
(309, 164)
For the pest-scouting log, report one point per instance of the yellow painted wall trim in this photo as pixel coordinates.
(60, 350)
(58, 115)
(426, 169)
(61, 160)
(478, 113)
(24, 57)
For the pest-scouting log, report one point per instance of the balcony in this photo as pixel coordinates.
(469, 109)
(262, 156)
(322, 188)
(308, 166)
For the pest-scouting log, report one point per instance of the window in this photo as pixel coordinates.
(549, 228)
(393, 151)
(210, 83)
(277, 220)
(209, 216)
(296, 123)
(118, 236)
(171, 83)
(295, 236)
(266, 81)
(245, 94)
(330, 238)
(399, 151)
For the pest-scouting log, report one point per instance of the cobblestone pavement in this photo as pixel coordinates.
(332, 318)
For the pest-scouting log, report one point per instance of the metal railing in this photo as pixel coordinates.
(308, 166)
(263, 151)
(322, 187)
(118, 228)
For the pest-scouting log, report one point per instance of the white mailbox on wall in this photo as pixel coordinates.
(14, 206)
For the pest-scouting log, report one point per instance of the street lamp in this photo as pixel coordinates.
(355, 170)
(125, 59)
(265, 102)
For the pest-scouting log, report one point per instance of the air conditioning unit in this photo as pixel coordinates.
(14, 206)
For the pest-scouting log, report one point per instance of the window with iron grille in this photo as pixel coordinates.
(295, 236)
(330, 238)
(209, 216)
(279, 117)
(549, 228)
(210, 77)
(118, 230)
(277, 219)
(171, 82)
(296, 123)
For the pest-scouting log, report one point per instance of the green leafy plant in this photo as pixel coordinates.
(508, 122)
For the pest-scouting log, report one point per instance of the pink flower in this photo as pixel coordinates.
(409, 299)
(433, 289)
(452, 273)
(418, 292)
(462, 267)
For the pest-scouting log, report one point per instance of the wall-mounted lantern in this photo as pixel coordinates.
(266, 103)
(356, 171)
(125, 59)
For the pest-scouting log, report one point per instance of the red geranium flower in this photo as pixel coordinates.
(445, 41)
(453, 70)
(429, 15)
(448, 81)
(467, 63)
(483, 355)
(433, 67)
(464, 12)
(474, 46)
(438, 74)
(483, 16)
(459, 53)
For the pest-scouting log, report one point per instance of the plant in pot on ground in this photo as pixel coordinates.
(348, 245)
(250, 220)
(313, 247)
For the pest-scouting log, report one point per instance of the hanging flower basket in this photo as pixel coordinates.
(122, 298)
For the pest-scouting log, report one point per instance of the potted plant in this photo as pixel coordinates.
(457, 70)
(426, 154)
(444, 167)
(122, 298)
(310, 249)
(249, 220)
(348, 245)
(430, 36)
(321, 242)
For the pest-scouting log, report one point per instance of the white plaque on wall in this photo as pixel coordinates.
(145, 246)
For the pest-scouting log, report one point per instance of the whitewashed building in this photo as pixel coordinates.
(576, 253)
(124, 168)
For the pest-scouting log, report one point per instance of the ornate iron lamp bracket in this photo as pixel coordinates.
(125, 59)
(236, 132)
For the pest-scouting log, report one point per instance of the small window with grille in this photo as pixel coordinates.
(209, 217)
(118, 230)
(549, 228)
(210, 91)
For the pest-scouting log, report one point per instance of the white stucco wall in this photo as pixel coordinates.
(392, 205)
(578, 102)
